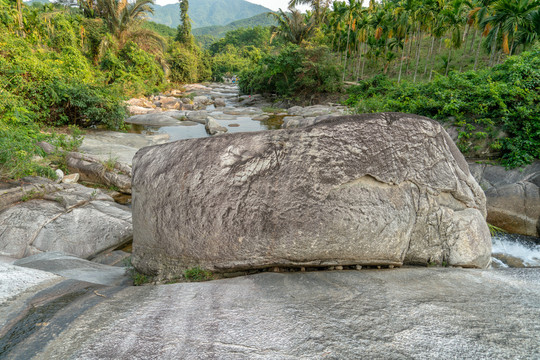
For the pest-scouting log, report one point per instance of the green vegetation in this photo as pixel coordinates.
(293, 72)
(62, 66)
(480, 103)
(198, 274)
(137, 277)
(206, 36)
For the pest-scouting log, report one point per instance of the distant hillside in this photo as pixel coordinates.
(161, 29)
(219, 31)
(207, 12)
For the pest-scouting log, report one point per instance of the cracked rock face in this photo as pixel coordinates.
(375, 189)
(76, 220)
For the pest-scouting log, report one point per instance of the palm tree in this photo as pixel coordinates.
(124, 19)
(319, 8)
(454, 20)
(511, 16)
(293, 27)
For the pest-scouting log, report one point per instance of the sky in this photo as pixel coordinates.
(271, 4)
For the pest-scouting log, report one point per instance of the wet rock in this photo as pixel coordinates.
(262, 117)
(219, 102)
(71, 267)
(213, 127)
(77, 220)
(509, 260)
(376, 189)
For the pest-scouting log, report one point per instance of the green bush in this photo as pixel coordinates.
(295, 70)
(505, 98)
(188, 64)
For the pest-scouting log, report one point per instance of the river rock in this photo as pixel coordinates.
(513, 196)
(76, 220)
(515, 208)
(159, 119)
(213, 127)
(374, 189)
(220, 102)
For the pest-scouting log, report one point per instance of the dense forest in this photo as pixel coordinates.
(474, 63)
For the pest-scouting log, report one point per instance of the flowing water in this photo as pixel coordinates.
(513, 250)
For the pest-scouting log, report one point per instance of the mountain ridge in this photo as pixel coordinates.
(205, 13)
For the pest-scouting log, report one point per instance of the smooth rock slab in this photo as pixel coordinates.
(388, 314)
(79, 221)
(71, 267)
(379, 189)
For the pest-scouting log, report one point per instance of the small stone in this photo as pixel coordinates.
(302, 269)
(234, 125)
(378, 266)
(358, 267)
(339, 267)
(276, 269)
(390, 266)
(59, 175)
(71, 178)
(331, 268)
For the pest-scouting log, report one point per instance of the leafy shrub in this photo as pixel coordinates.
(505, 98)
(295, 70)
(188, 64)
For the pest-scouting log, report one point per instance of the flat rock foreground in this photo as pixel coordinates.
(433, 313)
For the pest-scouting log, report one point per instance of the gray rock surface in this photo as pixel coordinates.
(513, 196)
(386, 314)
(75, 219)
(108, 145)
(15, 280)
(382, 189)
(213, 127)
(71, 267)
(159, 119)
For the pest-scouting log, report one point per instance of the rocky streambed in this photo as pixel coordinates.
(65, 293)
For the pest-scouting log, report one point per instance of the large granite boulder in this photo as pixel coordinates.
(375, 189)
(70, 218)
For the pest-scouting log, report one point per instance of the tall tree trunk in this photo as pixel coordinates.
(432, 64)
(428, 60)
(493, 47)
(346, 51)
(448, 63)
(401, 64)
(409, 53)
(19, 16)
(473, 40)
(417, 54)
(465, 37)
(477, 53)
(363, 59)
